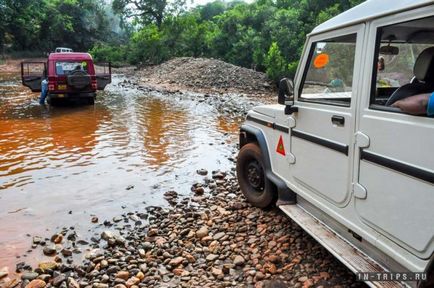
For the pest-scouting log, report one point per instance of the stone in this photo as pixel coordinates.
(152, 232)
(239, 260)
(66, 252)
(37, 283)
(202, 172)
(132, 281)
(303, 279)
(123, 275)
(219, 235)
(49, 250)
(199, 190)
(176, 261)
(212, 257)
(57, 238)
(107, 235)
(216, 272)
(37, 240)
(29, 275)
(50, 265)
(58, 280)
(94, 219)
(4, 272)
(72, 283)
(202, 232)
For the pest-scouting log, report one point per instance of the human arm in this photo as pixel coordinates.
(421, 104)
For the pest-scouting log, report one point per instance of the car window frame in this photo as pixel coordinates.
(358, 30)
(375, 28)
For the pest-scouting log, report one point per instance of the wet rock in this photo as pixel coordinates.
(49, 250)
(57, 238)
(37, 283)
(50, 265)
(4, 272)
(202, 172)
(66, 252)
(132, 281)
(29, 275)
(94, 219)
(37, 240)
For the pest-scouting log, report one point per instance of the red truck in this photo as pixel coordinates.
(70, 76)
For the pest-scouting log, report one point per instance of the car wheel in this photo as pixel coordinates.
(251, 177)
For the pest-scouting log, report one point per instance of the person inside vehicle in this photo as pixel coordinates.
(421, 104)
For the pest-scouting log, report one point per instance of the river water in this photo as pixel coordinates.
(59, 166)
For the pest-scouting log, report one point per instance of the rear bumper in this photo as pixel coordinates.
(72, 95)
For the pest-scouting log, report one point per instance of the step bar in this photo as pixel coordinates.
(344, 251)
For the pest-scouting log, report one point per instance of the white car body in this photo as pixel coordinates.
(369, 178)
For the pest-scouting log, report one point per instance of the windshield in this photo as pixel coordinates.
(65, 68)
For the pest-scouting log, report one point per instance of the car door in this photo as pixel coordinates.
(394, 192)
(32, 74)
(103, 74)
(321, 131)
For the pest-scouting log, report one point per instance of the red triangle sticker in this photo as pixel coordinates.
(280, 147)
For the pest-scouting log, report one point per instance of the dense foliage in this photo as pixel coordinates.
(267, 35)
(41, 25)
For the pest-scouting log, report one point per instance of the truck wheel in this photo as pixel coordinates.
(251, 176)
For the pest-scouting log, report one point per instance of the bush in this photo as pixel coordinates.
(117, 55)
(276, 67)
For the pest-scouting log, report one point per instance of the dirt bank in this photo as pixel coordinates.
(205, 76)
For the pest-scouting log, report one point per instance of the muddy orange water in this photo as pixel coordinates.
(61, 165)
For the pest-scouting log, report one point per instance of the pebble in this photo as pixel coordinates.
(239, 260)
(202, 232)
(37, 283)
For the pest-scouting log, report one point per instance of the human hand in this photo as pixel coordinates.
(416, 105)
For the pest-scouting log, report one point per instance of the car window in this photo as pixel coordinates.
(395, 75)
(329, 76)
(64, 68)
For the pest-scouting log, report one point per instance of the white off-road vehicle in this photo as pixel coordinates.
(351, 169)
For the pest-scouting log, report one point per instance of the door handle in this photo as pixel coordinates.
(338, 120)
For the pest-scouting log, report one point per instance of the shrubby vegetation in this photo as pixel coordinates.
(266, 35)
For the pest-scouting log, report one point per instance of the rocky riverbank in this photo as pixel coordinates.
(205, 75)
(212, 238)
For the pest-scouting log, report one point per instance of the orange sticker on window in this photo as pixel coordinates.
(321, 60)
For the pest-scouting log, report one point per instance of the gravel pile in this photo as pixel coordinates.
(206, 73)
(212, 239)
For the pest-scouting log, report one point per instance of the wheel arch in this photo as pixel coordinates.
(250, 134)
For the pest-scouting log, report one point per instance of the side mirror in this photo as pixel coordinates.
(286, 95)
(286, 91)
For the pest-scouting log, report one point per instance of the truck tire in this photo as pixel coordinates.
(251, 176)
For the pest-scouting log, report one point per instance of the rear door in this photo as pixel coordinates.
(32, 74)
(103, 72)
(395, 187)
(322, 129)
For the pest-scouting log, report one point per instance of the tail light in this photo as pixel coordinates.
(51, 83)
(94, 85)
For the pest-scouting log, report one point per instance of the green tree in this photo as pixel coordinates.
(275, 63)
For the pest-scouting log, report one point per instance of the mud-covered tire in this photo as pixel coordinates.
(251, 176)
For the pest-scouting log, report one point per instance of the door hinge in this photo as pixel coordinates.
(359, 191)
(362, 140)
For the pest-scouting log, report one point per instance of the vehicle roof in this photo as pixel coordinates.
(70, 56)
(368, 10)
